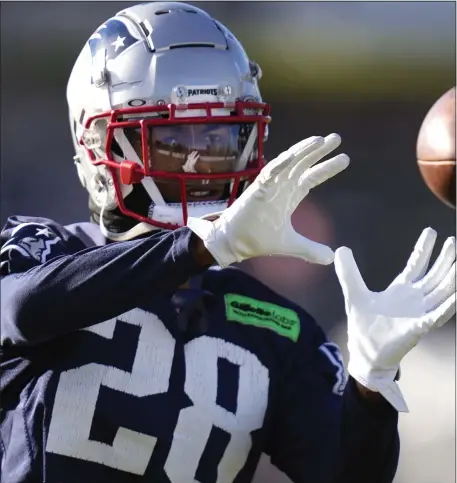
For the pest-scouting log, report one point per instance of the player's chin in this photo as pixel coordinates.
(171, 191)
(195, 194)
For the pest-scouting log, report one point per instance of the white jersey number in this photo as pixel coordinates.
(333, 354)
(78, 391)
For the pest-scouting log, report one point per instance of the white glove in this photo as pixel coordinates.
(384, 326)
(259, 223)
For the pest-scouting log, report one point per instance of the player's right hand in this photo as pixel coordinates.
(259, 223)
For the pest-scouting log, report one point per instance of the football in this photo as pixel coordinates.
(436, 148)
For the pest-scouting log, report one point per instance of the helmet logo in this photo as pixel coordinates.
(113, 38)
(183, 94)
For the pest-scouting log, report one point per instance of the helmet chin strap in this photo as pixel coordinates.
(169, 213)
(137, 230)
(172, 212)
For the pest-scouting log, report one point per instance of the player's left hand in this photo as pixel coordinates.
(384, 326)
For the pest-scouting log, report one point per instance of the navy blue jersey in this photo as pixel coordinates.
(116, 368)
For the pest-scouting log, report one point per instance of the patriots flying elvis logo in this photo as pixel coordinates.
(113, 37)
(33, 241)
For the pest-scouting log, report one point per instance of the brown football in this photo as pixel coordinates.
(436, 148)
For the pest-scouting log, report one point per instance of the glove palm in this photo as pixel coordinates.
(384, 326)
(259, 223)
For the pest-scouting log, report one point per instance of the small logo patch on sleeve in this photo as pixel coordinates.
(246, 310)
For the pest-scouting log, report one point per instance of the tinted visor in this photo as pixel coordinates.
(195, 148)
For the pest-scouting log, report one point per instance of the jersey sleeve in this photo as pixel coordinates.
(322, 431)
(66, 292)
(369, 438)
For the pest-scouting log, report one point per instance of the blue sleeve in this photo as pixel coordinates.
(370, 440)
(322, 431)
(71, 292)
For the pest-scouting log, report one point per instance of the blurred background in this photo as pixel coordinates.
(366, 70)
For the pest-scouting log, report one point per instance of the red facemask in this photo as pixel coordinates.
(191, 158)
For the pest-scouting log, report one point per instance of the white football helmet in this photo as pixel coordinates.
(166, 116)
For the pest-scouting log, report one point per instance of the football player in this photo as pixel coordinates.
(126, 358)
